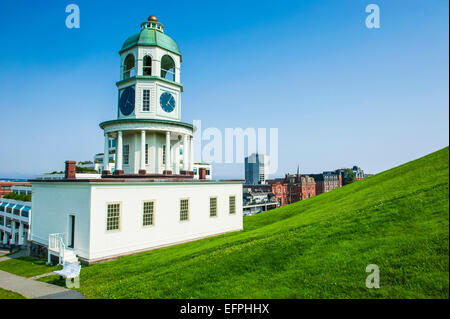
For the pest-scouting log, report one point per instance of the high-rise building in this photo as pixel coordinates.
(256, 169)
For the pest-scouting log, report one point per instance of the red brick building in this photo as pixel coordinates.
(293, 188)
(308, 187)
(5, 187)
(327, 181)
(279, 189)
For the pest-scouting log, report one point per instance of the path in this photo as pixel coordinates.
(30, 288)
(41, 276)
(35, 289)
(20, 253)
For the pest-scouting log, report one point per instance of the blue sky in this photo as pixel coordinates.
(339, 93)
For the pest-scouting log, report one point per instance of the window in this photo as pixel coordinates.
(146, 154)
(147, 70)
(126, 154)
(146, 100)
(208, 172)
(148, 213)
(25, 213)
(2, 220)
(213, 206)
(184, 209)
(232, 202)
(113, 217)
(167, 68)
(128, 67)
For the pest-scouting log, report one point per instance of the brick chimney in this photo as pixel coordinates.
(70, 169)
(202, 173)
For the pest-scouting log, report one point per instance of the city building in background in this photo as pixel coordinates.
(327, 181)
(359, 173)
(256, 169)
(202, 171)
(280, 191)
(7, 186)
(308, 185)
(98, 163)
(15, 216)
(257, 199)
(293, 187)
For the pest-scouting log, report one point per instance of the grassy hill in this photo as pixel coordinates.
(317, 248)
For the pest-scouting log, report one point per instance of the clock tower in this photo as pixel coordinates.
(149, 85)
(148, 127)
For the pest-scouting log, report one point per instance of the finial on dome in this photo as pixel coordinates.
(152, 23)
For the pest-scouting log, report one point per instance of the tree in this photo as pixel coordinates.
(21, 197)
(349, 176)
(80, 169)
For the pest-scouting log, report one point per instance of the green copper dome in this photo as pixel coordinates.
(151, 37)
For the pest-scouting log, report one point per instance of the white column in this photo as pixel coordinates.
(119, 151)
(185, 153)
(191, 154)
(13, 231)
(139, 65)
(168, 166)
(177, 75)
(142, 150)
(21, 234)
(5, 237)
(156, 67)
(106, 153)
(176, 158)
(154, 160)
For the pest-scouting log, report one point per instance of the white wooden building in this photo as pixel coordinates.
(152, 198)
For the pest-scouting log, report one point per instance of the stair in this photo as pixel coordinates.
(69, 256)
(57, 247)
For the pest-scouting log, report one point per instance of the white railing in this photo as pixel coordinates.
(88, 176)
(56, 243)
(51, 176)
(62, 176)
(56, 246)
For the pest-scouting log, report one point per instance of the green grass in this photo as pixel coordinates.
(27, 266)
(54, 280)
(6, 294)
(317, 248)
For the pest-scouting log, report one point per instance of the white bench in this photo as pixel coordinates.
(70, 270)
